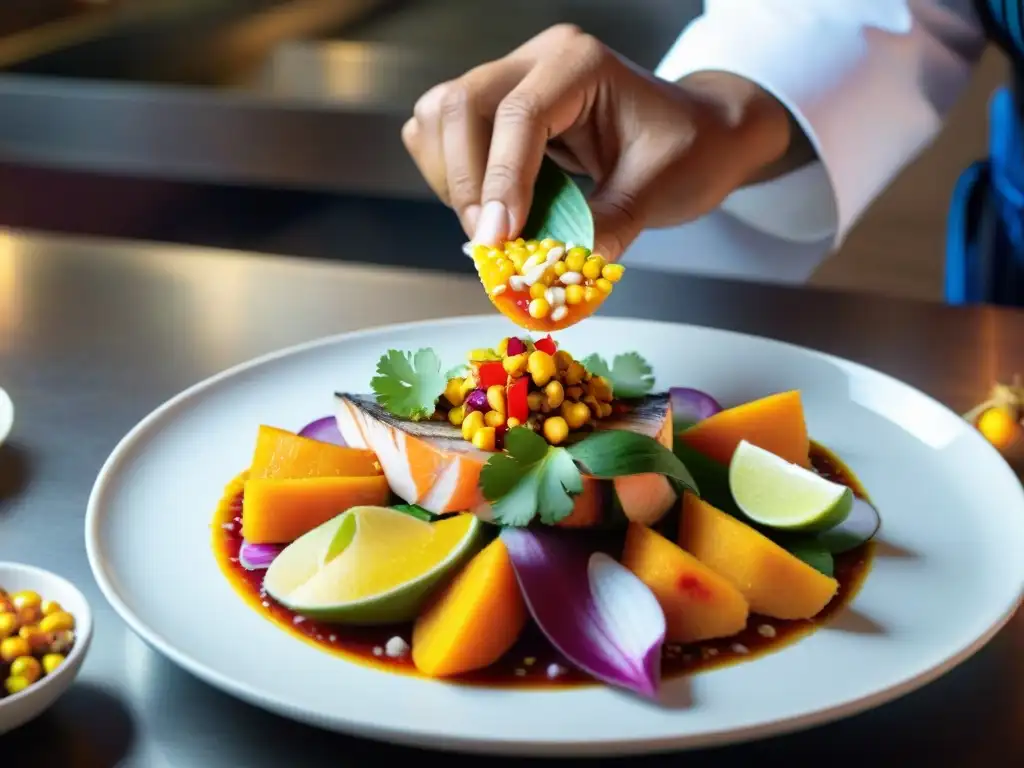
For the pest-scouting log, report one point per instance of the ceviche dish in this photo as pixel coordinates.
(533, 515)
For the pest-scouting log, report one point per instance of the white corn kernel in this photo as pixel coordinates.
(497, 290)
(529, 264)
(467, 248)
(535, 274)
(555, 296)
(517, 283)
(559, 313)
(571, 278)
(555, 254)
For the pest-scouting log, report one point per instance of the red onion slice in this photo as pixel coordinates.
(325, 430)
(690, 406)
(257, 557)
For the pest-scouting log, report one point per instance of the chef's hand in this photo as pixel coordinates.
(660, 153)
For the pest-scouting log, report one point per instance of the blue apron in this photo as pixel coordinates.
(985, 240)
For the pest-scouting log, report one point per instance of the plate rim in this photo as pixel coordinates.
(411, 736)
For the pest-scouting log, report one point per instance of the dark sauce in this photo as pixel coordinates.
(533, 661)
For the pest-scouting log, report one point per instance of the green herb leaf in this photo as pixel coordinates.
(530, 478)
(559, 209)
(415, 510)
(616, 452)
(630, 375)
(408, 385)
(811, 551)
(458, 372)
(712, 478)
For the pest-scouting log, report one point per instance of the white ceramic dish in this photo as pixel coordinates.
(18, 709)
(948, 576)
(6, 415)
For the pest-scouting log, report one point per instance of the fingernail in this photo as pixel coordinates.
(492, 226)
(470, 217)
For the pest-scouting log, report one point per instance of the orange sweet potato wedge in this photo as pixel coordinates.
(283, 455)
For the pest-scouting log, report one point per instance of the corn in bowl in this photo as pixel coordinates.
(36, 636)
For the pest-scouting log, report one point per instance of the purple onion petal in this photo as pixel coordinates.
(476, 401)
(690, 406)
(593, 610)
(257, 557)
(515, 346)
(325, 430)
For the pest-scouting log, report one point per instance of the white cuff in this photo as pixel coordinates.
(859, 79)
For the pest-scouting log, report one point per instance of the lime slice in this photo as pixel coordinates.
(370, 565)
(773, 492)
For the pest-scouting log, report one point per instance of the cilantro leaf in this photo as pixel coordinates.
(530, 478)
(630, 375)
(408, 385)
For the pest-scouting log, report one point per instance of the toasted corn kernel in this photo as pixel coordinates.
(541, 366)
(601, 388)
(456, 416)
(38, 640)
(555, 429)
(484, 438)
(539, 309)
(496, 398)
(553, 394)
(574, 393)
(604, 410)
(26, 599)
(27, 667)
(8, 624)
(612, 272)
(515, 365)
(471, 424)
(603, 285)
(575, 414)
(494, 419)
(575, 373)
(50, 606)
(534, 401)
(13, 647)
(57, 622)
(562, 360)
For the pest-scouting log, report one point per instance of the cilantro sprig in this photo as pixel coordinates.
(529, 479)
(630, 375)
(532, 479)
(408, 384)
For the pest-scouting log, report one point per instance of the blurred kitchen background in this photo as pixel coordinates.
(273, 125)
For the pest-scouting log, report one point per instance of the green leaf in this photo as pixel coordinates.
(530, 478)
(630, 375)
(712, 478)
(408, 385)
(616, 452)
(458, 372)
(415, 510)
(559, 209)
(812, 552)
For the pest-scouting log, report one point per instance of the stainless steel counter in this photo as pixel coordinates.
(94, 334)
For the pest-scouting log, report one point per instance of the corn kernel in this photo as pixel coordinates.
(532, 246)
(518, 258)
(601, 388)
(456, 416)
(51, 661)
(539, 309)
(612, 272)
(57, 622)
(575, 259)
(520, 242)
(592, 267)
(51, 606)
(575, 414)
(575, 373)
(515, 365)
(504, 269)
(13, 647)
(8, 624)
(549, 278)
(496, 398)
(573, 294)
(555, 429)
(562, 360)
(512, 422)
(574, 393)
(453, 392)
(559, 268)
(548, 243)
(14, 684)
(494, 419)
(467, 386)
(484, 438)
(590, 293)
(604, 410)
(553, 394)
(471, 424)
(27, 667)
(26, 599)
(541, 366)
(537, 290)
(534, 401)
(593, 405)
(37, 639)
(603, 285)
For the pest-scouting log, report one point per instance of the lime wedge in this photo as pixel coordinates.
(773, 492)
(370, 565)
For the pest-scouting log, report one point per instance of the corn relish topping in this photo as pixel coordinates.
(546, 277)
(525, 383)
(35, 637)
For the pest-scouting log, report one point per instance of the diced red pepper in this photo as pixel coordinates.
(547, 344)
(492, 374)
(516, 394)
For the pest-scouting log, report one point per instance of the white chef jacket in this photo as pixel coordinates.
(869, 81)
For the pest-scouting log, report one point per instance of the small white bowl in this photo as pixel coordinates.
(33, 701)
(6, 415)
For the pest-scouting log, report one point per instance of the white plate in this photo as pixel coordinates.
(949, 574)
